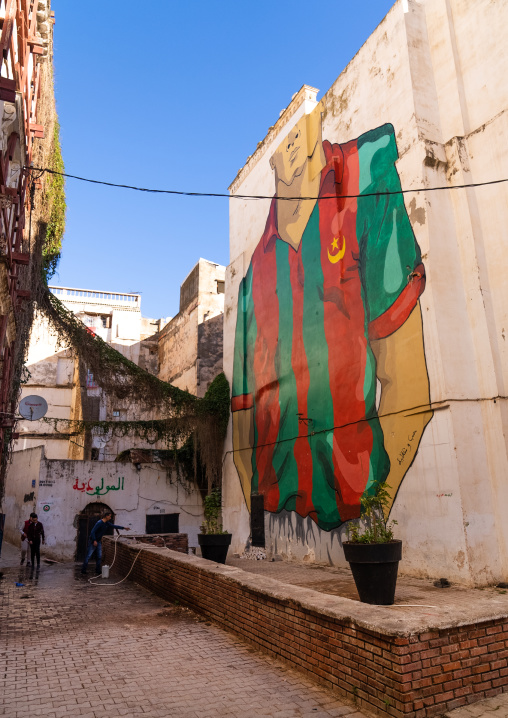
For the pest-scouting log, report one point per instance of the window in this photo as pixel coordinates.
(116, 413)
(162, 524)
(90, 382)
(220, 286)
(105, 321)
(94, 455)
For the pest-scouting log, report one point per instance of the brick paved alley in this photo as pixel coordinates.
(68, 648)
(73, 649)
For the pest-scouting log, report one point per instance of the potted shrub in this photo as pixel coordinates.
(213, 540)
(372, 552)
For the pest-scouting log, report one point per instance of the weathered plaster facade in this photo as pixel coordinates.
(190, 345)
(70, 391)
(62, 491)
(436, 70)
(113, 316)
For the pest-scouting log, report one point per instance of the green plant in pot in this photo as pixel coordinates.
(213, 540)
(371, 550)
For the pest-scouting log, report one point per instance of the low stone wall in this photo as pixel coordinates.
(175, 542)
(356, 649)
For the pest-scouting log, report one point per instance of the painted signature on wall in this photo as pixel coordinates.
(98, 490)
(406, 449)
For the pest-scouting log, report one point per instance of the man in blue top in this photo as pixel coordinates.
(95, 541)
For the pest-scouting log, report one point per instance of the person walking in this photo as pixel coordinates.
(95, 541)
(24, 546)
(34, 534)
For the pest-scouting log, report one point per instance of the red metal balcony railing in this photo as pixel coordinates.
(21, 48)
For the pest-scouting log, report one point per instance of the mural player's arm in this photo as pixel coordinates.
(405, 393)
(242, 402)
(394, 279)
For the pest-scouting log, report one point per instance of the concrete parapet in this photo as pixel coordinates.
(404, 668)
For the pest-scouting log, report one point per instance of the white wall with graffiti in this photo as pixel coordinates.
(414, 393)
(65, 494)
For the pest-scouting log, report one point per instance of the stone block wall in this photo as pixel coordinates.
(412, 675)
(210, 345)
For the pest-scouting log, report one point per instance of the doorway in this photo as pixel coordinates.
(86, 521)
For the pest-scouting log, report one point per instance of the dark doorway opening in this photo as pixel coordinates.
(257, 520)
(86, 521)
(162, 524)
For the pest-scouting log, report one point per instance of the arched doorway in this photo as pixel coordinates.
(86, 521)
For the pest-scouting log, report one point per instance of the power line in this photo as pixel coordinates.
(259, 196)
(407, 411)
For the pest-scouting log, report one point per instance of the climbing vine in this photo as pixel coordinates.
(185, 423)
(115, 374)
(53, 199)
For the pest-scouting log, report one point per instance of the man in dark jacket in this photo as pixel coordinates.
(95, 541)
(34, 534)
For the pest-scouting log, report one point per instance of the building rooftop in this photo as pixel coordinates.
(94, 296)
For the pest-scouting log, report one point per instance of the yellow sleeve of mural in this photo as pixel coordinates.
(405, 395)
(243, 440)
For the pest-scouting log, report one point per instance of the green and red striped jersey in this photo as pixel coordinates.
(302, 359)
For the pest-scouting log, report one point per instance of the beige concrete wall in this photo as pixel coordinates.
(210, 351)
(210, 325)
(51, 369)
(434, 69)
(65, 488)
(21, 491)
(178, 349)
(190, 345)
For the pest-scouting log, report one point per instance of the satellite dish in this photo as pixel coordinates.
(33, 407)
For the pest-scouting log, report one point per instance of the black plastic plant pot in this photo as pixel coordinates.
(214, 547)
(374, 567)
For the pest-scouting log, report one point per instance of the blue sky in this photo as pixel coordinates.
(176, 95)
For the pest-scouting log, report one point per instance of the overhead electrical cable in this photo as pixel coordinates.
(257, 197)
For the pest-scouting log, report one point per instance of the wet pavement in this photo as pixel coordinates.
(70, 648)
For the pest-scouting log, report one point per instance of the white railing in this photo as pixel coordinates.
(89, 294)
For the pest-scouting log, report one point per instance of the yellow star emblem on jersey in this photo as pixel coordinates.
(334, 245)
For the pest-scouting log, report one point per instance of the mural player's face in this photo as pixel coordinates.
(290, 158)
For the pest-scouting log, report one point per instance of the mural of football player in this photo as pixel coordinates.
(329, 308)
